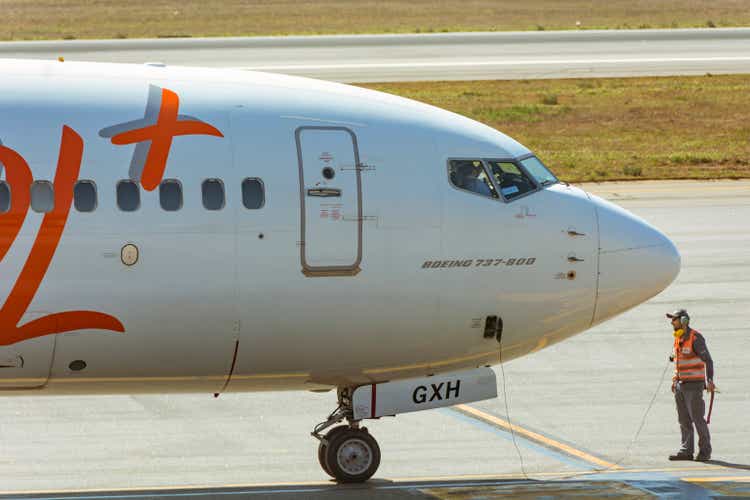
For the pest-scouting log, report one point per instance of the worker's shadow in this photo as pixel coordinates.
(728, 464)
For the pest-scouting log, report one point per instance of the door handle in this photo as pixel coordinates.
(324, 192)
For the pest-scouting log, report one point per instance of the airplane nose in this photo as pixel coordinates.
(636, 260)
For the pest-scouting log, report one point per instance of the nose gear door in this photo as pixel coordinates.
(330, 201)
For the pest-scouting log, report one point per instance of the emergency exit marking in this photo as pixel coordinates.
(331, 211)
(326, 157)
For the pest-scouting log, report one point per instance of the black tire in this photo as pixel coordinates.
(352, 456)
(324, 444)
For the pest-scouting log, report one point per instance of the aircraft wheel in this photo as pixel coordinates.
(322, 446)
(352, 456)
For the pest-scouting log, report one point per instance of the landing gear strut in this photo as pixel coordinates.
(347, 453)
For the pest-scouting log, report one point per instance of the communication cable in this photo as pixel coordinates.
(645, 415)
(615, 464)
(507, 417)
(637, 434)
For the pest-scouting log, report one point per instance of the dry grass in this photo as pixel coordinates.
(54, 19)
(612, 129)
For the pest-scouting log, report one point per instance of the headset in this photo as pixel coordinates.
(684, 320)
(683, 316)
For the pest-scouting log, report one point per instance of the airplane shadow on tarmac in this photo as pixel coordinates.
(449, 489)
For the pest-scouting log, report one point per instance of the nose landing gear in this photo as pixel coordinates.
(347, 453)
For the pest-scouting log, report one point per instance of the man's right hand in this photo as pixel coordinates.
(674, 386)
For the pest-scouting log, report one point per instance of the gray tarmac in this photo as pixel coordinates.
(443, 56)
(577, 405)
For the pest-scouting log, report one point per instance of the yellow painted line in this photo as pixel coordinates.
(715, 479)
(669, 469)
(537, 437)
(489, 477)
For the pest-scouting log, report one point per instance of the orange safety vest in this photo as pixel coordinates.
(688, 366)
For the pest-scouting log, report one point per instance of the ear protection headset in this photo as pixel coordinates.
(682, 315)
(684, 320)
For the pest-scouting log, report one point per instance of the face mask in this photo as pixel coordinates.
(678, 333)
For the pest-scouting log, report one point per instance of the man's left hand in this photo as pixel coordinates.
(710, 387)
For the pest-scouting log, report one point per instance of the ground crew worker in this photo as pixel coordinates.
(694, 372)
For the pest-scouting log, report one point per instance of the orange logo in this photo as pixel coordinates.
(153, 136)
(156, 128)
(19, 178)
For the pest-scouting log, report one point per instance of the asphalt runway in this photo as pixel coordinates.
(445, 56)
(576, 407)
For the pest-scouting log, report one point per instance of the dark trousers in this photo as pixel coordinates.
(690, 410)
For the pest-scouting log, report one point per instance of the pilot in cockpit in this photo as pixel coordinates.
(471, 176)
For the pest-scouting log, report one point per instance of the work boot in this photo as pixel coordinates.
(681, 456)
(703, 457)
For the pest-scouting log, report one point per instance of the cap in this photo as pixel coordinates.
(679, 313)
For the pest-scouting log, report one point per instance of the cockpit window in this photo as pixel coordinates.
(510, 179)
(471, 175)
(538, 171)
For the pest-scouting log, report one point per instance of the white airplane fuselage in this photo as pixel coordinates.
(384, 271)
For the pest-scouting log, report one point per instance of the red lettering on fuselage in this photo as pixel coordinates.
(18, 176)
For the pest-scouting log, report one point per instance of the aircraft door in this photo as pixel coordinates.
(26, 364)
(330, 201)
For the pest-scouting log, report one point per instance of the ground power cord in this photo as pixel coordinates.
(612, 466)
(507, 418)
(643, 419)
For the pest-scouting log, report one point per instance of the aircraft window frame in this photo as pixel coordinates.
(262, 193)
(493, 189)
(117, 195)
(34, 199)
(5, 185)
(76, 199)
(525, 157)
(518, 165)
(162, 185)
(223, 194)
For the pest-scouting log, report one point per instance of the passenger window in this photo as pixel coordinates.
(213, 194)
(42, 196)
(510, 179)
(84, 196)
(170, 195)
(471, 175)
(538, 171)
(128, 196)
(253, 195)
(4, 197)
